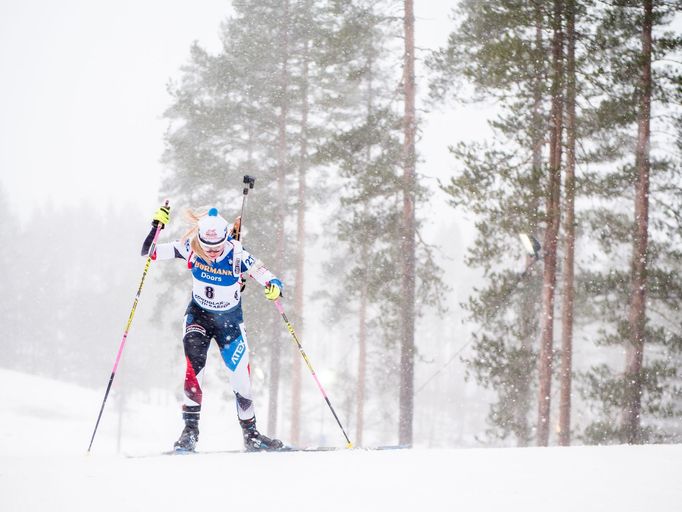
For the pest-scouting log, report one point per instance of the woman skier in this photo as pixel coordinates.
(217, 261)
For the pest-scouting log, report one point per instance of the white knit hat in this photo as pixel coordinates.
(212, 229)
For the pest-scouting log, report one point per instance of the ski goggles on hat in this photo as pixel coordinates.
(216, 246)
(211, 243)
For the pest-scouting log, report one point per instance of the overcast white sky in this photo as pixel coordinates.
(83, 91)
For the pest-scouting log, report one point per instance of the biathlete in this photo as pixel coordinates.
(217, 261)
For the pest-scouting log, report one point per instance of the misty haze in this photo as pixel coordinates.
(413, 254)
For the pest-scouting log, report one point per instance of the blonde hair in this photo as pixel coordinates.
(192, 217)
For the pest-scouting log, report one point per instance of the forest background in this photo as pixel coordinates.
(384, 200)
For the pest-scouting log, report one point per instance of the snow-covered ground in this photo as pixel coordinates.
(45, 429)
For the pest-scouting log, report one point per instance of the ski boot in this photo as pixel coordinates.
(188, 439)
(254, 441)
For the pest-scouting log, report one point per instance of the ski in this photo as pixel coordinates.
(286, 449)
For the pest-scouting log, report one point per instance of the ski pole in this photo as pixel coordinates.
(152, 248)
(279, 307)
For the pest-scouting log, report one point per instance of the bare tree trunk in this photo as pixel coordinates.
(364, 288)
(551, 234)
(528, 323)
(569, 230)
(281, 215)
(528, 329)
(406, 412)
(362, 356)
(630, 422)
(300, 254)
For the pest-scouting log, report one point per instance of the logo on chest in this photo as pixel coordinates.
(210, 273)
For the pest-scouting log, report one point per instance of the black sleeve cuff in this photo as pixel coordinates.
(148, 242)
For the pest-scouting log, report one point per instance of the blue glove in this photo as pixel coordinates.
(274, 289)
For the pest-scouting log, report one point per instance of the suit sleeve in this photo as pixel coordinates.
(255, 268)
(165, 251)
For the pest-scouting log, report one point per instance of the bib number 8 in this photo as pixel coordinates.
(210, 292)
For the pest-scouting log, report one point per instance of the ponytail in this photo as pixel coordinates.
(192, 217)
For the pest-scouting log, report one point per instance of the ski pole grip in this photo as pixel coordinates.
(152, 247)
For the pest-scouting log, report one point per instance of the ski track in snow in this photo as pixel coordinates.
(43, 466)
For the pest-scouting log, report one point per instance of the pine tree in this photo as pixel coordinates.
(320, 94)
(632, 407)
(630, 422)
(369, 156)
(232, 115)
(500, 50)
(568, 298)
(553, 220)
(408, 233)
(261, 106)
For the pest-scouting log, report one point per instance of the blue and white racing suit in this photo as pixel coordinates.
(215, 312)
